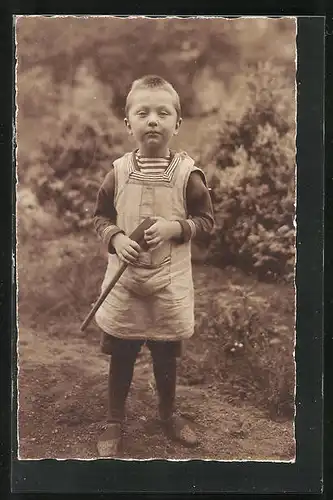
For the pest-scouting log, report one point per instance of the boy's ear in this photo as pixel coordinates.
(178, 124)
(128, 125)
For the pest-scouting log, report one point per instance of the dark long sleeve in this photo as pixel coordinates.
(200, 224)
(105, 214)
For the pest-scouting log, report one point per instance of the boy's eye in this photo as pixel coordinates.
(141, 113)
(164, 113)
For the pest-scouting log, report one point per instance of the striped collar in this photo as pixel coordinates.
(135, 173)
(152, 165)
(135, 163)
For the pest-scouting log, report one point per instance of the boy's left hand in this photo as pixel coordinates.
(161, 231)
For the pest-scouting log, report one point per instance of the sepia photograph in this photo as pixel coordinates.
(156, 229)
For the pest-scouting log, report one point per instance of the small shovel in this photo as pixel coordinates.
(138, 236)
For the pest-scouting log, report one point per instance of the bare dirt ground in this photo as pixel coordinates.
(62, 408)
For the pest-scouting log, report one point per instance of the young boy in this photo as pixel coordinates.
(152, 303)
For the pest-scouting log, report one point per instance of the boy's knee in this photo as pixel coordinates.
(119, 348)
(164, 352)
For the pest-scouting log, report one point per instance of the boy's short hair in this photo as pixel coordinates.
(154, 82)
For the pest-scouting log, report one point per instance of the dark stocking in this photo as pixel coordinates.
(120, 378)
(165, 369)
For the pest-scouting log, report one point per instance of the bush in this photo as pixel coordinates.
(252, 175)
(77, 147)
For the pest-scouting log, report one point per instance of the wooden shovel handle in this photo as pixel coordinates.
(138, 236)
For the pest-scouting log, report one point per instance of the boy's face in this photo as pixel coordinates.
(152, 120)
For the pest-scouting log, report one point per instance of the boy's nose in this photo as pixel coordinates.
(152, 120)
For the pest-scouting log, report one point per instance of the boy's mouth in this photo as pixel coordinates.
(152, 133)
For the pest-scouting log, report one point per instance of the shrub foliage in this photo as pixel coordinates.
(252, 172)
(79, 143)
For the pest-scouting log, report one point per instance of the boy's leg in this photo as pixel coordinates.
(123, 356)
(164, 356)
(120, 377)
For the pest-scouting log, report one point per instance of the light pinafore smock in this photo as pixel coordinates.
(154, 299)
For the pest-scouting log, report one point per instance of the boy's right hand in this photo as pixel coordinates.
(127, 250)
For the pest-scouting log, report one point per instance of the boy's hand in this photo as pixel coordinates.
(161, 231)
(127, 250)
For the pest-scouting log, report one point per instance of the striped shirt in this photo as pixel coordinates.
(152, 166)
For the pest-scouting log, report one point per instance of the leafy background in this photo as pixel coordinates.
(236, 80)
